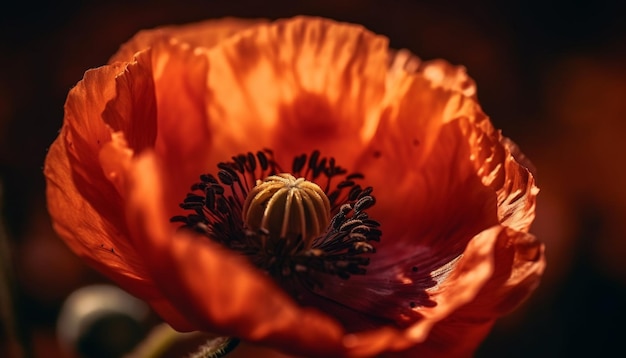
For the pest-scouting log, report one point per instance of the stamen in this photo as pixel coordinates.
(285, 223)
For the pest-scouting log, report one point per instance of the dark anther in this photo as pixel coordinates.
(367, 191)
(345, 184)
(210, 179)
(339, 218)
(228, 167)
(361, 215)
(313, 159)
(349, 225)
(198, 186)
(331, 164)
(355, 236)
(316, 165)
(414, 269)
(251, 163)
(298, 163)
(193, 198)
(355, 176)
(205, 178)
(362, 247)
(412, 304)
(262, 160)
(330, 171)
(222, 206)
(360, 229)
(364, 203)
(191, 206)
(321, 167)
(218, 189)
(345, 208)
(332, 197)
(210, 199)
(241, 163)
(237, 163)
(370, 222)
(195, 218)
(178, 219)
(354, 193)
(225, 177)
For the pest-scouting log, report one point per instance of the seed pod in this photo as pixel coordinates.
(287, 208)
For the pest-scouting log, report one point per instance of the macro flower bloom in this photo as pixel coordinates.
(177, 175)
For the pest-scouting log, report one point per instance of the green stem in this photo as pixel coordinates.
(163, 337)
(216, 348)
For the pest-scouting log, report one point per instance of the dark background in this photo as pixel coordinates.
(552, 76)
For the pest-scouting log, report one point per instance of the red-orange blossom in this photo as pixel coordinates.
(454, 204)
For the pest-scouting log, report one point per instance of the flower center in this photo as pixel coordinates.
(287, 209)
(285, 223)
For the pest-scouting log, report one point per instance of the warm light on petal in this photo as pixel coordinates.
(133, 110)
(423, 164)
(184, 139)
(197, 35)
(306, 83)
(83, 203)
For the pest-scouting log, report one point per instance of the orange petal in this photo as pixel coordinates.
(458, 287)
(408, 133)
(484, 274)
(442, 74)
(495, 273)
(183, 142)
(439, 72)
(204, 34)
(84, 134)
(97, 240)
(133, 108)
(296, 85)
(517, 196)
(420, 165)
(496, 161)
(84, 166)
(216, 289)
(518, 263)
(161, 104)
(172, 315)
(178, 71)
(436, 156)
(451, 184)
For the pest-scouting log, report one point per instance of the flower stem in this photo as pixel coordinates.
(163, 339)
(216, 347)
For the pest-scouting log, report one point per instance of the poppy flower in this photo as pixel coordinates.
(177, 174)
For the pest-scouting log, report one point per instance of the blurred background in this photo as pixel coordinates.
(552, 76)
